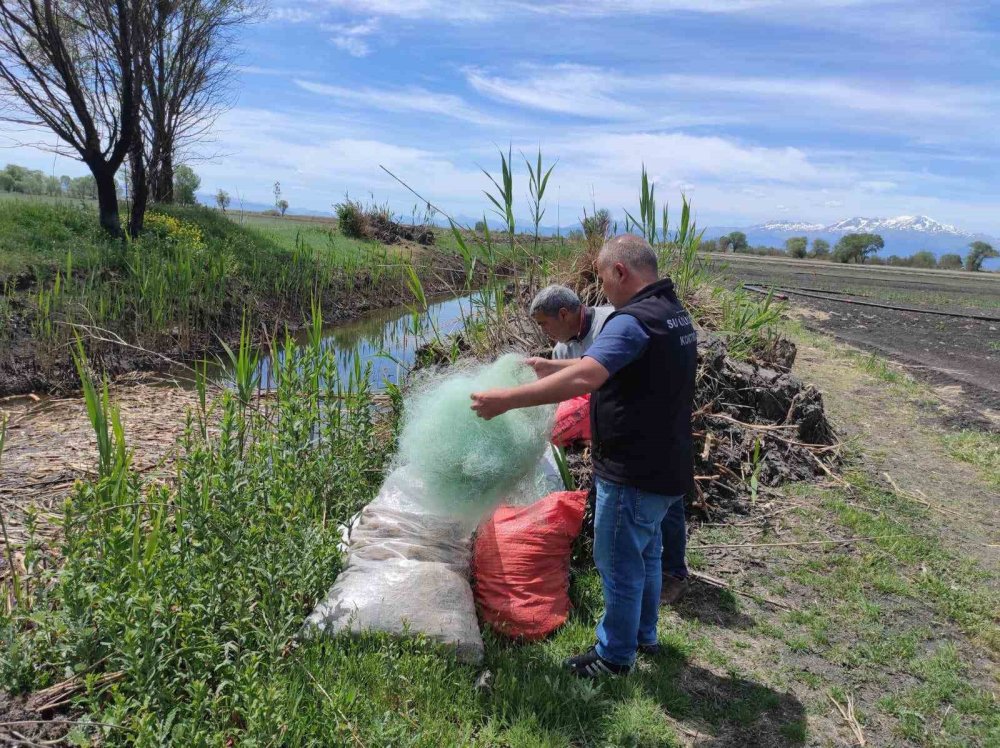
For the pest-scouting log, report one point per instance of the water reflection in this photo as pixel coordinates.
(388, 339)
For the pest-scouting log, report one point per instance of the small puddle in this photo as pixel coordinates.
(387, 339)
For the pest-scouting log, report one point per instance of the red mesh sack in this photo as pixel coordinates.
(572, 421)
(520, 565)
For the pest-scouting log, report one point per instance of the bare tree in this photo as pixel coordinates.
(187, 78)
(72, 66)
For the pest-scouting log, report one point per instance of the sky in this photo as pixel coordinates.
(758, 110)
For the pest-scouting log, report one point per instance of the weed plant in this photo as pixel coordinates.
(194, 591)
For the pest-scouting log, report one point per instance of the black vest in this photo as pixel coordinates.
(641, 416)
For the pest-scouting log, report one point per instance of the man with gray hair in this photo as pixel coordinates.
(568, 323)
(641, 373)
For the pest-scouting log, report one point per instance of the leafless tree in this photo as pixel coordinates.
(187, 78)
(73, 66)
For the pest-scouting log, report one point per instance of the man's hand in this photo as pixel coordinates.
(491, 404)
(544, 367)
(572, 377)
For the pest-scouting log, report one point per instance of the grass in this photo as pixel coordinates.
(36, 235)
(195, 592)
(977, 448)
(867, 619)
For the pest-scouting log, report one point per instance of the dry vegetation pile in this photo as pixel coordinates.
(376, 223)
(755, 425)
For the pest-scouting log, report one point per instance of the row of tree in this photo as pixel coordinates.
(855, 248)
(122, 83)
(24, 181)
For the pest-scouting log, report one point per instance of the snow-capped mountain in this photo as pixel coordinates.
(922, 224)
(788, 226)
(903, 235)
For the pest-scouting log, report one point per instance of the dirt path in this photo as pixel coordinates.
(896, 427)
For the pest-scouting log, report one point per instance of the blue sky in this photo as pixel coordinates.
(758, 109)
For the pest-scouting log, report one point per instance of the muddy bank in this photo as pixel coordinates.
(29, 365)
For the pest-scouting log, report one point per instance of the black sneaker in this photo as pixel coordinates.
(649, 650)
(592, 665)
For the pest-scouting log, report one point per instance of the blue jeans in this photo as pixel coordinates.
(628, 553)
(674, 541)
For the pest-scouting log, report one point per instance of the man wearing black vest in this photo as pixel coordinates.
(641, 371)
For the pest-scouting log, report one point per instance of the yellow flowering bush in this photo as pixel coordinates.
(183, 234)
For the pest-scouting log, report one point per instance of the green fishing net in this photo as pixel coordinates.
(467, 465)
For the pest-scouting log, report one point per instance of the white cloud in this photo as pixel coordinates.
(564, 88)
(894, 97)
(486, 10)
(292, 14)
(596, 92)
(687, 157)
(351, 37)
(318, 162)
(876, 185)
(411, 99)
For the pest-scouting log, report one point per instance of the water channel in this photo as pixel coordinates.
(387, 339)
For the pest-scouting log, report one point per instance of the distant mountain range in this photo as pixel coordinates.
(903, 235)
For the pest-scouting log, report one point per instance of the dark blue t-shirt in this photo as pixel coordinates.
(620, 342)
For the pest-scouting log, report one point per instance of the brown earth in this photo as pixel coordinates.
(949, 351)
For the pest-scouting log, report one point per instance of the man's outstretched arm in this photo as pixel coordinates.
(545, 366)
(583, 376)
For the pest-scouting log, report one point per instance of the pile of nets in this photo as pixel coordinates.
(465, 464)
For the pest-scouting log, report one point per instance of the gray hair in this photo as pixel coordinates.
(552, 298)
(632, 251)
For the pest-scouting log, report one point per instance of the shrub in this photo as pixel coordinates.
(950, 262)
(796, 247)
(193, 592)
(596, 227)
(820, 250)
(351, 219)
(179, 232)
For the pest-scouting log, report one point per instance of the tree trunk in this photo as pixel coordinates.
(107, 200)
(140, 189)
(165, 178)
